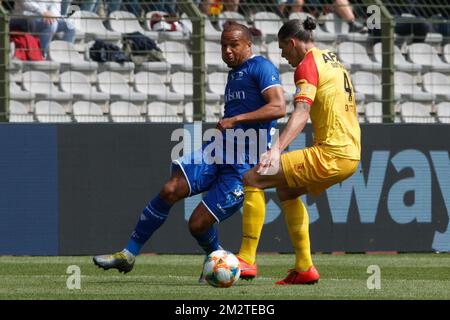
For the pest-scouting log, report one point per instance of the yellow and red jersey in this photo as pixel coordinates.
(322, 82)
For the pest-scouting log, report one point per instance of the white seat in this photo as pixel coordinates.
(164, 35)
(91, 25)
(437, 84)
(25, 97)
(400, 63)
(78, 85)
(18, 112)
(40, 84)
(217, 82)
(211, 33)
(15, 70)
(318, 34)
(408, 89)
(177, 55)
(335, 25)
(119, 90)
(151, 85)
(51, 68)
(213, 51)
(356, 56)
(274, 54)
(446, 52)
(369, 84)
(162, 112)
(287, 80)
(122, 111)
(414, 112)
(374, 113)
(443, 112)
(86, 111)
(212, 112)
(427, 56)
(65, 53)
(182, 82)
(231, 16)
(51, 111)
(126, 22)
(269, 23)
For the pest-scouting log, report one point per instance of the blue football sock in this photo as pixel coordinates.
(152, 217)
(209, 240)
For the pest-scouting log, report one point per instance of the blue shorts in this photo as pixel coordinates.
(222, 181)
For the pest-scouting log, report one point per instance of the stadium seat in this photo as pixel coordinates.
(126, 22)
(15, 70)
(437, 84)
(65, 53)
(355, 55)
(231, 16)
(274, 54)
(414, 112)
(164, 35)
(334, 25)
(162, 112)
(40, 84)
(268, 23)
(213, 57)
(78, 85)
(443, 112)
(400, 63)
(86, 111)
(407, 88)
(374, 113)
(287, 80)
(446, 53)
(123, 111)
(24, 97)
(369, 84)
(319, 34)
(181, 82)
(91, 25)
(217, 82)
(427, 56)
(51, 111)
(126, 69)
(18, 112)
(119, 90)
(211, 33)
(151, 85)
(177, 55)
(51, 68)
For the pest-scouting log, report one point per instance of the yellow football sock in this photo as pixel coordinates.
(252, 222)
(297, 221)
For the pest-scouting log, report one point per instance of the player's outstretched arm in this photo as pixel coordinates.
(297, 122)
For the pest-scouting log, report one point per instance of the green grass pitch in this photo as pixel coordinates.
(403, 276)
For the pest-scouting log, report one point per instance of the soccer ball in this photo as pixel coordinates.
(221, 269)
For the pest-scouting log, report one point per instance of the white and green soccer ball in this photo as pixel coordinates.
(221, 269)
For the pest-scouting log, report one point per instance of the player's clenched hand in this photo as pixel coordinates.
(269, 162)
(227, 123)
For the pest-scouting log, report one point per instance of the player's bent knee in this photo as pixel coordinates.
(197, 227)
(173, 191)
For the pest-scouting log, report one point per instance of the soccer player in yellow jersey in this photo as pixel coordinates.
(325, 94)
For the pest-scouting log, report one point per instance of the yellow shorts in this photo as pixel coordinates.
(315, 169)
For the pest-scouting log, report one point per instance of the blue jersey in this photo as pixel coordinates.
(243, 92)
(223, 180)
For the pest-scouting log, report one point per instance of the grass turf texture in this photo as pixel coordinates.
(403, 276)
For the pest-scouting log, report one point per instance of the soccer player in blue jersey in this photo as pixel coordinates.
(254, 99)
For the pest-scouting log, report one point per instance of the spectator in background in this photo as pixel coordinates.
(42, 19)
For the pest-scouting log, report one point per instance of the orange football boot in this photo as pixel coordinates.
(311, 276)
(248, 272)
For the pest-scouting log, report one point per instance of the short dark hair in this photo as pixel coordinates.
(233, 26)
(302, 30)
